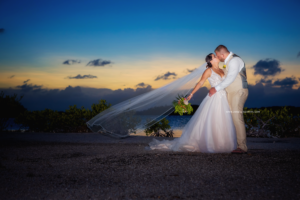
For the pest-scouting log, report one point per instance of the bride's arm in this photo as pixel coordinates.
(205, 75)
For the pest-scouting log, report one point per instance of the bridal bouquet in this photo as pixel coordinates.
(182, 105)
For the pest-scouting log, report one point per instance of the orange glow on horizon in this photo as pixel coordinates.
(123, 74)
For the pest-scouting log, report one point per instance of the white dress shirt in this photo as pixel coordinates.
(236, 64)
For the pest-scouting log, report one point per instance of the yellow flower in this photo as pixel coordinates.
(224, 66)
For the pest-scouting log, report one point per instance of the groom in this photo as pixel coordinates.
(236, 86)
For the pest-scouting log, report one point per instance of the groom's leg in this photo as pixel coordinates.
(229, 98)
(237, 104)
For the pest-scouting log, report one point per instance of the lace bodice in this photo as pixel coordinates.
(215, 79)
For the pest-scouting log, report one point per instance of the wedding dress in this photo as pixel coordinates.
(210, 130)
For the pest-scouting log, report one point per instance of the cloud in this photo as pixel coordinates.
(166, 76)
(287, 82)
(267, 67)
(36, 97)
(1, 30)
(99, 63)
(26, 81)
(190, 70)
(298, 54)
(142, 85)
(82, 77)
(11, 76)
(266, 96)
(264, 81)
(71, 62)
(29, 87)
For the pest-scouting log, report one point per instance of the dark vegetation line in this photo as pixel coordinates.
(276, 121)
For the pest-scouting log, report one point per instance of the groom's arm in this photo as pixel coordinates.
(231, 75)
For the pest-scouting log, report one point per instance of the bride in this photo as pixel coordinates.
(211, 128)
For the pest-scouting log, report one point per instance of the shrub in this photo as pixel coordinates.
(154, 129)
(10, 107)
(72, 120)
(267, 122)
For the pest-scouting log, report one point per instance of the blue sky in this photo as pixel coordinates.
(141, 40)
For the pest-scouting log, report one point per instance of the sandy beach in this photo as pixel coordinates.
(51, 166)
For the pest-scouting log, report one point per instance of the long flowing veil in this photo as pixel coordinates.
(140, 112)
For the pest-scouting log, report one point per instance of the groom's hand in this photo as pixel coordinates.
(212, 91)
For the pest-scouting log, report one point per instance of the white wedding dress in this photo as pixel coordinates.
(210, 130)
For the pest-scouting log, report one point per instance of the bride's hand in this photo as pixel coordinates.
(189, 97)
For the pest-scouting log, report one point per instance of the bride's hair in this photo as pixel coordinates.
(208, 59)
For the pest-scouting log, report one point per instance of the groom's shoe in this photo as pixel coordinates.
(239, 151)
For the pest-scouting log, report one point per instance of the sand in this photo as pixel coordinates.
(107, 170)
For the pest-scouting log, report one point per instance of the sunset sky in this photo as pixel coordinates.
(61, 53)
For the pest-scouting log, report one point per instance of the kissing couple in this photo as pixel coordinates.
(218, 124)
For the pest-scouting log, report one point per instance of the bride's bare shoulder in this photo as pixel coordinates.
(207, 73)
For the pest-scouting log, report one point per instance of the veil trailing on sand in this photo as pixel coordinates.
(140, 112)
